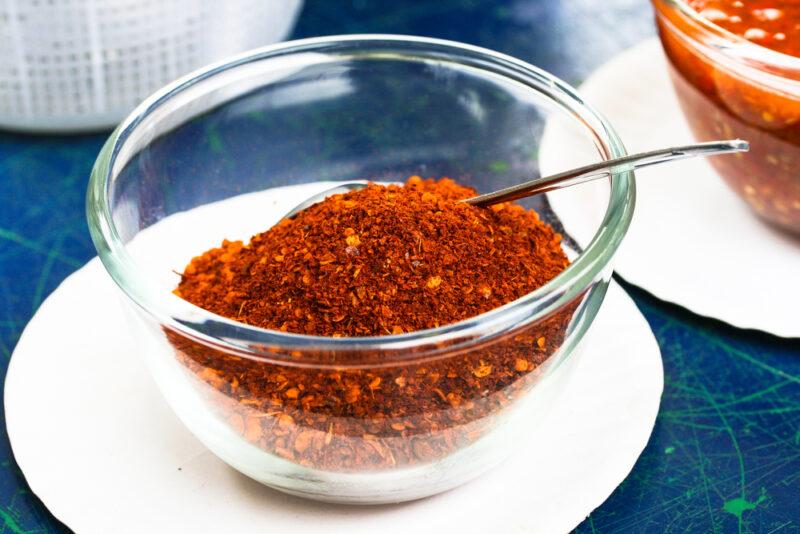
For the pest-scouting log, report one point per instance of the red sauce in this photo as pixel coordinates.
(724, 97)
(774, 24)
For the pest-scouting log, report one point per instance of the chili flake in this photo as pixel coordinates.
(381, 260)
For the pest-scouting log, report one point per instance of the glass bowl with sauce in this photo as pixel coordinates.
(735, 65)
(226, 151)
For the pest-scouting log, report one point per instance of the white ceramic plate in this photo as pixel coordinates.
(692, 241)
(104, 452)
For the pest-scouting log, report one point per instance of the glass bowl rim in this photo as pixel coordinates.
(250, 341)
(731, 44)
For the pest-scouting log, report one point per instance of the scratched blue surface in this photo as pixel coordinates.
(725, 452)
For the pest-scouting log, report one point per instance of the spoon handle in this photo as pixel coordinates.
(604, 168)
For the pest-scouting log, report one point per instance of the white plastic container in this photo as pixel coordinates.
(72, 65)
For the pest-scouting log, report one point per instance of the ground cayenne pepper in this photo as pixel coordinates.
(383, 260)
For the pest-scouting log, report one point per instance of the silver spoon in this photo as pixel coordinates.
(568, 178)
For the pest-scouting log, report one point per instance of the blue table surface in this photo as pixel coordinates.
(725, 452)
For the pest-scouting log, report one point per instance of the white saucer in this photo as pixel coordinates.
(104, 452)
(693, 241)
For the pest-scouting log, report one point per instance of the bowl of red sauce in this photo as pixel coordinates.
(735, 65)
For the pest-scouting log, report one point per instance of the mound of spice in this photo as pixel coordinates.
(381, 260)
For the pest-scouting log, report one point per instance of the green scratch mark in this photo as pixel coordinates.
(739, 505)
(499, 166)
(11, 523)
(701, 462)
(45, 273)
(782, 525)
(669, 450)
(735, 442)
(257, 116)
(215, 141)
(14, 237)
(746, 357)
(6, 351)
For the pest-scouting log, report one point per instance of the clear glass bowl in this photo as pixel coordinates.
(730, 87)
(356, 420)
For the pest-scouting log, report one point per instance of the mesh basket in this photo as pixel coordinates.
(70, 65)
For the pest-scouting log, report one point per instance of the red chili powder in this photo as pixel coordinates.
(381, 260)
